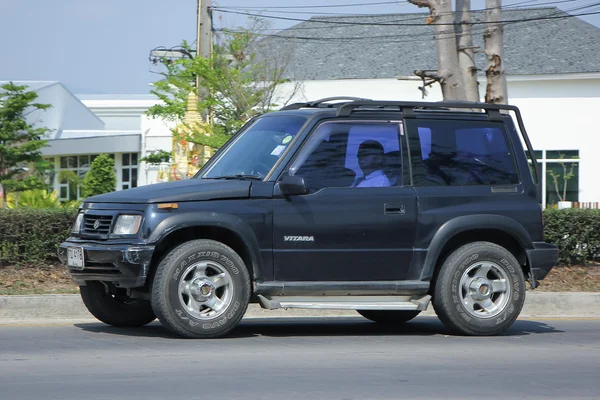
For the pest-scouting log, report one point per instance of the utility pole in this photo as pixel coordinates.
(204, 30)
(496, 91)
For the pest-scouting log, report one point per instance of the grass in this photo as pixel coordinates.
(54, 279)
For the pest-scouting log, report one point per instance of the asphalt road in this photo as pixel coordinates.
(334, 358)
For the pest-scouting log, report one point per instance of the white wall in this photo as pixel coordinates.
(156, 135)
(559, 112)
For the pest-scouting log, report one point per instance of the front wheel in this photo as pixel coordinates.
(480, 289)
(389, 317)
(201, 289)
(116, 309)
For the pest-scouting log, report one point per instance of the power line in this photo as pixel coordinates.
(517, 24)
(314, 6)
(512, 7)
(389, 24)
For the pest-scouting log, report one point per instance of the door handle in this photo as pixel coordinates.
(394, 208)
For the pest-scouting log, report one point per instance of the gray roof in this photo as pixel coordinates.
(67, 112)
(324, 51)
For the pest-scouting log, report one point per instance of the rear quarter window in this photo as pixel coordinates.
(457, 153)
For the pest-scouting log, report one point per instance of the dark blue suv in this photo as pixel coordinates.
(379, 207)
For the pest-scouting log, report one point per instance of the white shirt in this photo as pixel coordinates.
(374, 179)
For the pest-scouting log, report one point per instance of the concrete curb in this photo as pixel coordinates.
(50, 308)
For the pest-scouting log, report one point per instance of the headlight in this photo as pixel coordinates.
(127, 224)
(77, 225)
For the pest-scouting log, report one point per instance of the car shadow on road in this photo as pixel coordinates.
(320, 327)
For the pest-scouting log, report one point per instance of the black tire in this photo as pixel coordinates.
(115, 309)
(389, 317)
(168, 303)
(461, 300)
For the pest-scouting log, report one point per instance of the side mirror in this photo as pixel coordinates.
(293, 185)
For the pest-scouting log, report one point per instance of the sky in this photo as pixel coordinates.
(102, 46)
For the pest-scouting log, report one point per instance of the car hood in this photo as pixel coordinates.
(184, 190)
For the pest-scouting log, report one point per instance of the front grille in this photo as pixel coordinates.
(97, 224)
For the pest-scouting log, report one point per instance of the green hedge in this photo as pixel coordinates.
(31, 236)
(576, 232)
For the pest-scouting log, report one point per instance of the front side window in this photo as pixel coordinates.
(257, 148)
(351, 154)
(458, 153)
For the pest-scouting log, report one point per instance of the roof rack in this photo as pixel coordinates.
(409, 107)
(320, 103)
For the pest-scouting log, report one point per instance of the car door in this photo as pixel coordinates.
(347, 228)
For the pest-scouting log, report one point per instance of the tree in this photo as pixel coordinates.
(464, 46)
(458, 75)
(101, 177)
(21, 160)
(448, 73)
(496, 91)
(235, 83)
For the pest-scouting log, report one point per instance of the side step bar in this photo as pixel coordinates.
(408, 303)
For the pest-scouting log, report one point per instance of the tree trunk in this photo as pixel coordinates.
(496, 91)
(464, 45)
(441, 16)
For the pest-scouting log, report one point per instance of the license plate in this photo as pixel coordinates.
(75, 257)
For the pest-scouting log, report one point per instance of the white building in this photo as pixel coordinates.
(82, 127)
(553, 75)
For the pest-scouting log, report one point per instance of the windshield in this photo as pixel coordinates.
(256, 150)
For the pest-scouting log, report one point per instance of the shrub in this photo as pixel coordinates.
(576, 232)
(31, 236)
(36, 198)
(101, 177)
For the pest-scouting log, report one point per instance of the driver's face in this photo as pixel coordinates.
(370, 162)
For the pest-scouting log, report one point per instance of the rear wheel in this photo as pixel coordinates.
(389, 317)
(115, 307)
(480, 289)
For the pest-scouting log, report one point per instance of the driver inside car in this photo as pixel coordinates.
(370, 160)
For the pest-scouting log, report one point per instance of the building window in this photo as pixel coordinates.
(49, 173)
(129, 171)
(560, 175)
(71, 173)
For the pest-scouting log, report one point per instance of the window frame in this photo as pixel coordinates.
(305, 150)
(413, 144)
(543, 161)
(130, 167)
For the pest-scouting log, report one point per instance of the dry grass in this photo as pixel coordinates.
(35, 280)
(56, 279)
(572, 279)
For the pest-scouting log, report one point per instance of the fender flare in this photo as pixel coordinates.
(205, 219)
(467, 223)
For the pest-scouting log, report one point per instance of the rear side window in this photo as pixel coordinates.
(459, 153)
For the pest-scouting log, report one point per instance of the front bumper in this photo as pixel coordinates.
(542, 259)
(124, 265)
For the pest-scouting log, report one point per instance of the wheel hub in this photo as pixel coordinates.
(481, 289)
(202, 290)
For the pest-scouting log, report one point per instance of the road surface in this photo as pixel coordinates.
(332, 358)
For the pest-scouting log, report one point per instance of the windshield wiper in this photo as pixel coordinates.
(238, 176)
